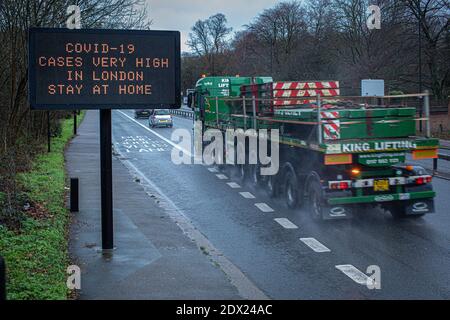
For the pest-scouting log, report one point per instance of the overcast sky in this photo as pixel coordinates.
(182, 14)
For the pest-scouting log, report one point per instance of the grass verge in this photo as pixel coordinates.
(36, 256)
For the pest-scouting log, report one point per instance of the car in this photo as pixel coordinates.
(142, 113)
(160, 118)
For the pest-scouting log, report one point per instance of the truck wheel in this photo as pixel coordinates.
(315, 201)
(271, 186)
(291, 190)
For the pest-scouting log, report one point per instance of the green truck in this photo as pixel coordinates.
(336, 154)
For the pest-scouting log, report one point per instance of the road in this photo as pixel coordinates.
(283, 252)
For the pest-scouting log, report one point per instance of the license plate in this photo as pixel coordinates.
(381, 185)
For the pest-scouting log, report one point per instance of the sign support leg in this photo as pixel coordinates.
(75, 122)
(106, 179)
(48, 133)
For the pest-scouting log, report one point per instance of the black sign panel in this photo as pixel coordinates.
(100, 69)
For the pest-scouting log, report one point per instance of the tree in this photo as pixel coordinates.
(278, 32)
(208, 40)
(432, 17)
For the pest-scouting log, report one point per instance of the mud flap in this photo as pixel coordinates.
(336, 212)
(419, 207)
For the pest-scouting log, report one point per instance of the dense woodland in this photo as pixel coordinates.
(330, 40)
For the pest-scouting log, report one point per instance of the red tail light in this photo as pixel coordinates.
(423, 180)
(340, 185)
(343, 185)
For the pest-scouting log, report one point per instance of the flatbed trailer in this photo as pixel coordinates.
(337, 154)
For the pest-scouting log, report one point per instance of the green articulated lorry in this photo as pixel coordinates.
(337, 155)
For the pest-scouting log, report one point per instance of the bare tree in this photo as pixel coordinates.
(208, 39)
(217, 26)
(278, 32)
(432, 17)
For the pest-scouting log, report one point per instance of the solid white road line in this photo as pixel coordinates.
(314, 245)
(356, 275)
(221, 176)
(264, 207)
(157, 134)
(247, 195)
(286, 223)
(233, 185)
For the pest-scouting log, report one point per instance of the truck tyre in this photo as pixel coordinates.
(315, 197)
(291, 188)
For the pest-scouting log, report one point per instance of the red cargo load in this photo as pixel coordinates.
(287, 92)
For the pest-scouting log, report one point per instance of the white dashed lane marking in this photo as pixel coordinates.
(314, 245)
(356, 275)
(247, 195)
(213, 170)
(221, 176)
(233, 185)
(264, 207)
(286, 223)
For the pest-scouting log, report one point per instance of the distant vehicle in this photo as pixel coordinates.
(142, 113)
(160, 118)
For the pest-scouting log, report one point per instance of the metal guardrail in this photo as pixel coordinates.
(434, 109)
(441, 156)
(183, 113)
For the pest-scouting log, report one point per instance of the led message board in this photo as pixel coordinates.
(103, 69)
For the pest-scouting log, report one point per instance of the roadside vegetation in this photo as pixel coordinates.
(33, 239)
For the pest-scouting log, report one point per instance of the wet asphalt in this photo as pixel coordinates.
(413, 255)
